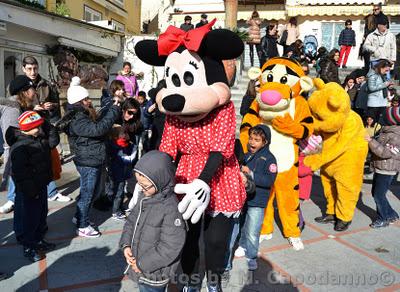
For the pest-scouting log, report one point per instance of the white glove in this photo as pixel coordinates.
(134, 198)
(196, 200)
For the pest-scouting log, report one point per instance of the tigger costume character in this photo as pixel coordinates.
(279, 106)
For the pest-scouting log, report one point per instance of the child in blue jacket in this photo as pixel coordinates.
(260, 164)
(122, 156)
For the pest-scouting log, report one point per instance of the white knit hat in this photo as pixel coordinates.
(76, 92)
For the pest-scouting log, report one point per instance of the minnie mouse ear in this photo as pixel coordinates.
(147, 51)
(222, 44)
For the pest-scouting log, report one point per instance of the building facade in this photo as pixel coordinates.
(30, 31)
(121, 15)
(322, 18)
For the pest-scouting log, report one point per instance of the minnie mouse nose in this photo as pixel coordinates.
(174, 102)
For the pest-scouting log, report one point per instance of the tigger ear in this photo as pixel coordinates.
(254, 73)
(147, 51)
(306, 84)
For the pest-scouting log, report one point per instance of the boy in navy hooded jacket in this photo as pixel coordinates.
(260, 164)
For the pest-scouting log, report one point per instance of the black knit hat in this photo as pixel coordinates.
(381, 20)
(20, 83)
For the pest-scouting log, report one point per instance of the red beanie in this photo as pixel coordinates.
(29, 120)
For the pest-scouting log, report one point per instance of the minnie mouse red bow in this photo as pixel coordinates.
(174, 37)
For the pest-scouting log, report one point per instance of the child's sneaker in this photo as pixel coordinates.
(59, 198)
(240, 252)
(75, 221)
(88, 232)
(7, 207)
(119, 216)
(265, 237)
(296, 243)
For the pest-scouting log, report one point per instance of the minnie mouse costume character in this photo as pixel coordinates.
(200, 127)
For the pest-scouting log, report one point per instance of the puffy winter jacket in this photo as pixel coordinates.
(130, 83)
(381, 45)
(376, 88)
(329, 71)
(254, 31)
(155, 230)
(30, 158)
(347, 37)
(383, 158)
(88, 137)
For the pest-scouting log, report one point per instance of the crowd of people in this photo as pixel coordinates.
(118, 144)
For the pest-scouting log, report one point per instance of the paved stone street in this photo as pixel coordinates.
(360, 259)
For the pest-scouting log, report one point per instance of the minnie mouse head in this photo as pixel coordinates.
(195, 78)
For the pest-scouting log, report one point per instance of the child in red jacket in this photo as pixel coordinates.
(308, 146)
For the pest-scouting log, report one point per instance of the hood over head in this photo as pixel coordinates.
(266, 131)
(158, 168)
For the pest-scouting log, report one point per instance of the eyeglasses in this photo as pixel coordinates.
(131, 113)
(145, 188)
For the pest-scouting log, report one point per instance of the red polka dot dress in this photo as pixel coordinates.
(214, 133)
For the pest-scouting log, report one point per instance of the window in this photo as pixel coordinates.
(330, 34)
(118, 26)
(91, 14)
(119, 2)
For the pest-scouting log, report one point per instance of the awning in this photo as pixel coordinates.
(334, 2)
(271, 13)
(331, 10)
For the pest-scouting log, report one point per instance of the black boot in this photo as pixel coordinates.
(32, 254)
(342, 225)
(325, 219)
(45, 246)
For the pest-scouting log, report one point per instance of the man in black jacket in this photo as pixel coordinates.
(87, 134)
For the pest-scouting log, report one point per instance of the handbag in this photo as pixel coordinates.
(283, 39)
(55, 164)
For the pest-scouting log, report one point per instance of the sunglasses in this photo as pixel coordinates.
(377, 9)
(131, 113)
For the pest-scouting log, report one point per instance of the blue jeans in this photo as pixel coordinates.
(380, 186)
(148, 288)
(250, 234)
(229, 254)
(118, 196)
(51, 190)
(89, 182)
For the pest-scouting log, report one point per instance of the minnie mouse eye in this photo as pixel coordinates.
(188, 78)
(175, 80)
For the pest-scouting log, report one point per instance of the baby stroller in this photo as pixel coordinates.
(310, 47)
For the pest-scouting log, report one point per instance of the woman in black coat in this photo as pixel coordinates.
(329, 69)
(88, 133)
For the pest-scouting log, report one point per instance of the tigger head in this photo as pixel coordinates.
(280, 79)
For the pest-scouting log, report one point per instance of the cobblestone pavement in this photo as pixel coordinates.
(360, 259)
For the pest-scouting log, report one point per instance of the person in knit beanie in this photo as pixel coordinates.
(386, 163)
(31, 171)
(87, 131)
